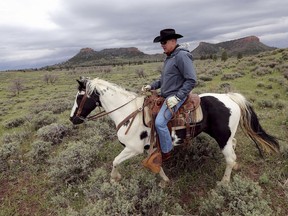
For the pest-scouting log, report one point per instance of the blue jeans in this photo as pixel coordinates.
(162, 119)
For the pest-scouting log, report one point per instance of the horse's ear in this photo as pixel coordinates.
(81, 84)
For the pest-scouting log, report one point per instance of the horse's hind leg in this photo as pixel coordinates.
(124, 155)
(234, 143)
(230, 157)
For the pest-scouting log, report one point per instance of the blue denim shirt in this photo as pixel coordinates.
(178, 76)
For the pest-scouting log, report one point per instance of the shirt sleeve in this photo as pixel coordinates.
(156, 84)
(187, 69)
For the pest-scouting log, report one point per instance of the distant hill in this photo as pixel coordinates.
(118, 56)
(114, 56)
(246, 46)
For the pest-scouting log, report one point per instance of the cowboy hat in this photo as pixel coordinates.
(167, 34)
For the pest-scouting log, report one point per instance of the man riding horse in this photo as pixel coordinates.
(221, 113)
(177, 80)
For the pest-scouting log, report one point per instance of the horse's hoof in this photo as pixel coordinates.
(236, 167)
(113, 181)
(163, 184)
(117, 178)
(222, 183)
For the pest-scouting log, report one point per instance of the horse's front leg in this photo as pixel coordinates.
(165, 180)
(124, 155)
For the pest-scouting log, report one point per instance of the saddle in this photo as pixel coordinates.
(188, 114)
(186, 117)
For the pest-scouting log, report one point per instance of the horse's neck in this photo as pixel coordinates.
(113, 101)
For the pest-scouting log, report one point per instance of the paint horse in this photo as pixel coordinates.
(221, 116)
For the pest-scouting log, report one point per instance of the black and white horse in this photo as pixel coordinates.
(221, 116)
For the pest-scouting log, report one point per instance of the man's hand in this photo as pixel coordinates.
(172, 101)
(146, 88)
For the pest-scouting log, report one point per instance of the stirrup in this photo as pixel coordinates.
(153, 162)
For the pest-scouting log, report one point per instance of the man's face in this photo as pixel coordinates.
(169, 45)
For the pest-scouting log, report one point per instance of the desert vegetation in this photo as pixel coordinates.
(50, 167)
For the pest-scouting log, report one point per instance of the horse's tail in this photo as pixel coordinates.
(250, 124)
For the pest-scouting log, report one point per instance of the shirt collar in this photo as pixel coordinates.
(169, 54)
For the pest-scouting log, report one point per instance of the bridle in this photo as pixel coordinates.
(104, 113)
(82, 103)
(78, 114)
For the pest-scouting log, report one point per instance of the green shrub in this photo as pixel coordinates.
(260, 84)
(284, 167)
(254, 61)
(194, 156)
(265, 104)
(231, 76)
(55, 106)
(262, 71)
(214, 72)
(4, 111)
(42, 119)
(200, 83)
(284, 56)
(104, 128)
(240, 197)
(205, 78)
(226, 87)
(17, 137)
(6, 151)
(139, 195)
(75, 163)
(52, 133)
(273, 79)
(16, 122)
(285, 74)
(276, 95)
(264, 179)
(10, 154)
(285, 123)
(259, 92)
(280, 105)
(40, 151)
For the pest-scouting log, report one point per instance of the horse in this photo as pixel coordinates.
(222, 114)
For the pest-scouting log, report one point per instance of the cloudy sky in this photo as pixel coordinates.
(36, 33)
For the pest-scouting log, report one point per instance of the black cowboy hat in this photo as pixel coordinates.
(167, 34)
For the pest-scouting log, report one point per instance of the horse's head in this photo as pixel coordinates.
(84, 103)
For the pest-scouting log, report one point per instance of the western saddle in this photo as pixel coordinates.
(186, 117)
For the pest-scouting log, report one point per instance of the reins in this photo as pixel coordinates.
(132, 115)
(104, 113)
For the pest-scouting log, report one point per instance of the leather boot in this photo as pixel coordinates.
(153, 162)
(166, 156)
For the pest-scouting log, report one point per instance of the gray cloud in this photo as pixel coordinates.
(126, 23)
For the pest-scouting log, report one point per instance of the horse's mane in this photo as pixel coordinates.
(100, 85)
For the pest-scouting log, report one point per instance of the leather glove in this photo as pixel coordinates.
(172, 101)
(146, 88)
